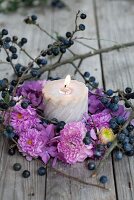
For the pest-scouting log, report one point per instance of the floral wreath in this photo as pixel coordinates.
(72, 142)
(109, 122)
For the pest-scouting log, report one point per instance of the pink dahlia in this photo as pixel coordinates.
(71, 145)
(98, 120)
(23, 119)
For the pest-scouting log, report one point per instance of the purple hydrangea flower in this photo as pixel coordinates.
(32, 91)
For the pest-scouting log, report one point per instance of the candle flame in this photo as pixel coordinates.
(67, 80)
(66, 89)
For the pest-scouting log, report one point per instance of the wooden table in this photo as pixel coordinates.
(112, 20)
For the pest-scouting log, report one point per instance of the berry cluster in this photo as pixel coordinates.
(8, 45)
(31, 19)
(126, 140)
(90, 81)
(58, 124)
(59, 46)
(110, 103)
(129, 94)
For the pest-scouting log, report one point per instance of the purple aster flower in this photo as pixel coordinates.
(23, 119)
(30, 143)
(71, 147)
(32, 91)
(34, 143)
(99, 120)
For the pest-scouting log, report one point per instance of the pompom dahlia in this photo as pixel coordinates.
(23, 119)
(71, 145)
(32, 91)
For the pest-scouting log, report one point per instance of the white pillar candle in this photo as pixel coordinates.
(65, 99)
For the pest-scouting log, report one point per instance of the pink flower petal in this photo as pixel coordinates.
(93, 134)
(132, 122)
(45, 157)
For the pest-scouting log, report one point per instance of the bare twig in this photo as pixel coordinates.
(28, 55)
(86, 45)
(3, 62)
(48, 34)
(79, 64)
(10, 60)
(60, 58)
(77, 179)
(76, 28)
(86, 55)
(100, 39)
(77, 69)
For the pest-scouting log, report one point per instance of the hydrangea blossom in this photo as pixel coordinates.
(23, 119)
(32, 91)
(71, 145)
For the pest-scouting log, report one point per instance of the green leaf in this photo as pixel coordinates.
(7, 98)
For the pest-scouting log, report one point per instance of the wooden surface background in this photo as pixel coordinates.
(107, 19)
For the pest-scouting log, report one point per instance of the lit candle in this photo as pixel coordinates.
(66, 89)
(65, 100)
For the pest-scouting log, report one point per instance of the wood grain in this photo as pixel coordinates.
(115, 23)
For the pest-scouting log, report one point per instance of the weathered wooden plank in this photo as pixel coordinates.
(59, 187)
(12, 185)
(115, 19)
